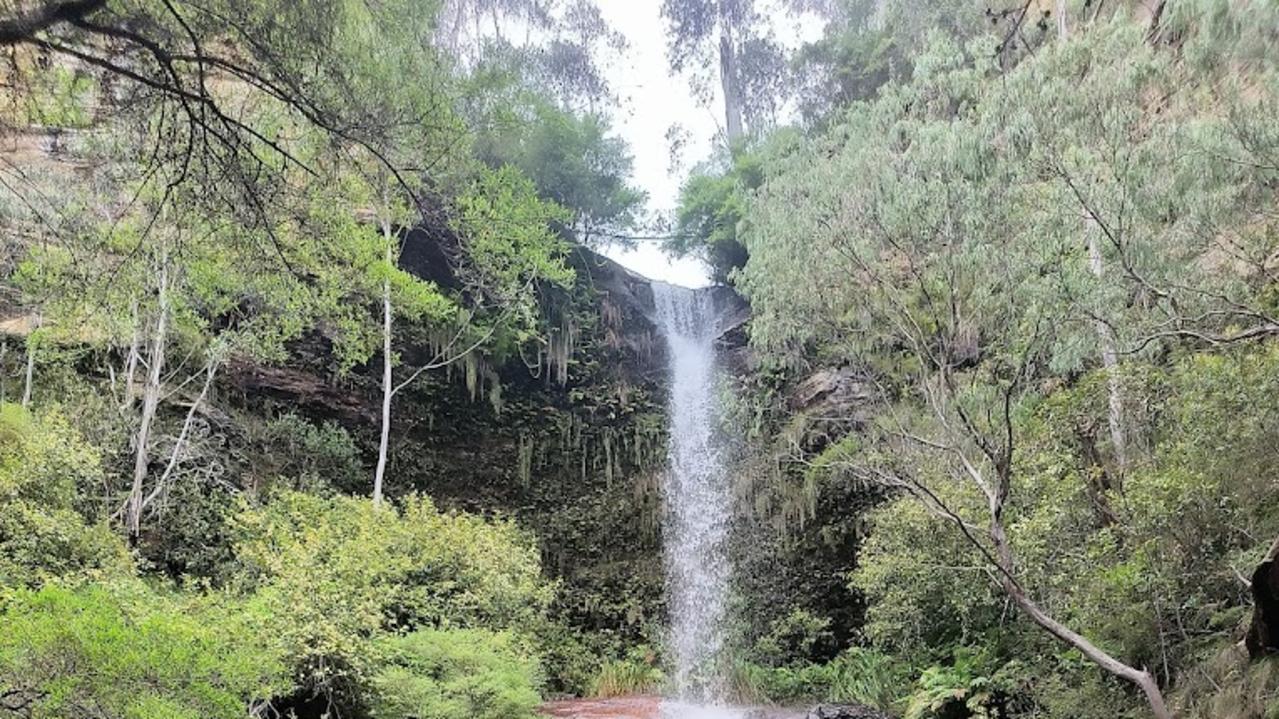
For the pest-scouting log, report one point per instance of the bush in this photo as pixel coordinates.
(455, 674)
(127, 653)
(329, 575)
(314, 457)
(790, 640)
(570, 658)
(43, 464)
(637, 673)
(858, 675)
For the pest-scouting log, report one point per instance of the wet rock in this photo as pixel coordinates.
(845, 711)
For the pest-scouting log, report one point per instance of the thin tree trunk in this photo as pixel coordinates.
(1139, 677)
(150, 401)
(29, 379)
(1110, 362)
(730, 84)
(388, 389)
(1063, 30)
(176, 455)
(131, 361)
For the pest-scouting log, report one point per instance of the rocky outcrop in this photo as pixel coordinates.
(834, 392)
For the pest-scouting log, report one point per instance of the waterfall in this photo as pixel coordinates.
(697, 494)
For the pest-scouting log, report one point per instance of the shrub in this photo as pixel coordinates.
(637, 673)
(570, 658)
(790, 639)
(331, 574)
(455, 674)
(858, 675)
(127, 653)
(43, 462)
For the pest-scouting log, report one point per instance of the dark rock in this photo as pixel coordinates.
(845, 711)
(302, 388)
(1263, 632)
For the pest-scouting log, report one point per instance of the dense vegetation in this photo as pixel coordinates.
(273, 272)
(314, 399)
(1033, 271)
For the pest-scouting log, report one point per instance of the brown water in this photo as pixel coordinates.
(651, 707)
(620, 708)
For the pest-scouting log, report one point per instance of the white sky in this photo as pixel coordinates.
(651, 102)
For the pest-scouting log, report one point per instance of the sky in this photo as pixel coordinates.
(651, 102)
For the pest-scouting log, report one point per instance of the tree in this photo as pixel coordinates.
(555, 49)
(574, 161)
(751, 66)
(222, 96)
(917, 257)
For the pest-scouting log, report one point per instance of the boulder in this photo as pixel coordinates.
(1263, 632)
(845, 711)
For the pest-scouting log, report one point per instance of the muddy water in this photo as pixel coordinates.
(649, 707)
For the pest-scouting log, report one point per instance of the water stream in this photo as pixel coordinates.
(697, 494)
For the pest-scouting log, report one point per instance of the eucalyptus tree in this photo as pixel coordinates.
(911, 234)
(735, 37)
(185, 293)
(557, 48)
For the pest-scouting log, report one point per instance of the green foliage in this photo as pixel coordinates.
(125, 652)
(310, 455)
(44, 467)
(959, 688)
(931, 238)
(573, 162)
(712, 205)
(849, 63)
(636, 673)
(1157, 588)
(791, 639)
(508, 233)
(59, 98)
(329, 575)
(455, 674)
(857, 675)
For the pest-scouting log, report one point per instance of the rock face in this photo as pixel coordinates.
(845, 711)
(568, 436)
(834, 392)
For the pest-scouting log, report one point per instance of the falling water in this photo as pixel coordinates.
(697, 498)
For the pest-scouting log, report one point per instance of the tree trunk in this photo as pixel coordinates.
(1140, 677)
(1110, 362)
(388, 388)
(29, 376)
(131, 362)
(730, 83)
(1063, 30)
(175, 456)
(150, 401)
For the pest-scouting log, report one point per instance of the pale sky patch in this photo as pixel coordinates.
(651, 102)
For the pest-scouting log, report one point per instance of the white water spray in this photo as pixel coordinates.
(697, 496)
